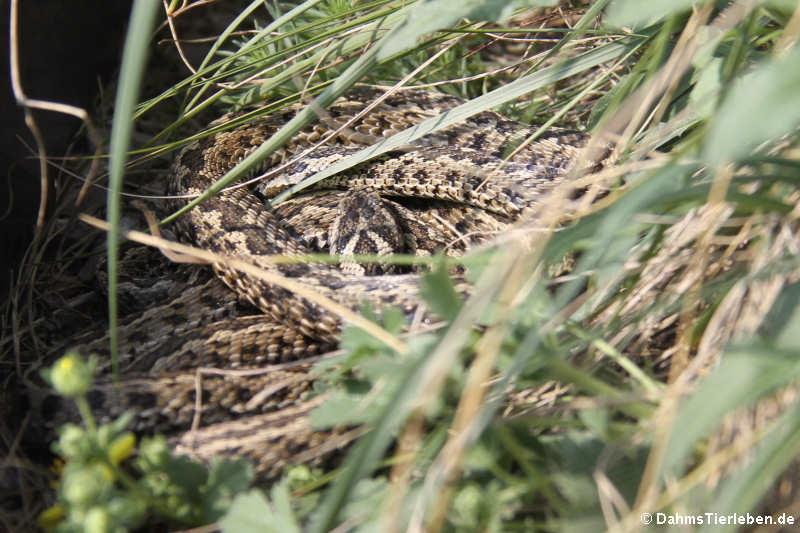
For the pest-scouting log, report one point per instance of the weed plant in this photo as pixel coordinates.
(629, 356)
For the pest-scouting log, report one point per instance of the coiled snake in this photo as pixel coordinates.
(449, 191)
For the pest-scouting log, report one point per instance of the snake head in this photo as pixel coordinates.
(365, 225)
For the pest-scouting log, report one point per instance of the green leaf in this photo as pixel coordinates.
(782, 324)
(282, 503)
(745, 374)
(363, 402)
(742, 490)
(580, 453)
(595, 419)
(366, 454)
(440, 295)
(761, 106)
(394, 320)
(638, 14)
(433, 15)
(357, 342)
(368, 498)
(226, 479)
(342, 408)
(786, 5)
(251, 512)
(186, 473)
(360, 343)
(541, 78)
(707, 84)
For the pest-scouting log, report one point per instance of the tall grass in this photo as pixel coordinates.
(654, 373)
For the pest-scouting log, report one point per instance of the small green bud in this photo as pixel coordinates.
(299, 476)
(468, 503)
(73, 442)
(154, 452)
(127, 510)
(86, 485)
(71, 375)
(104, 435)
(178, 507)
(97, 521)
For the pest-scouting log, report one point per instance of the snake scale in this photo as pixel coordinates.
(449, 191)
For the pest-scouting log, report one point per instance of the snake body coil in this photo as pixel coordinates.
(449, 191)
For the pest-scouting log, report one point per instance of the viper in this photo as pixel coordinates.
(446, 193)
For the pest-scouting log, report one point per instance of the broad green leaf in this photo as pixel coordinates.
(745, 374)
(638, 14)
(782, 325)
(252, 513)
(742, 490)
(429, 16)
(707, 84)
(786, 5)
(282, 505)
(440, 295)
(226, 479)
(366, 454)
(343, 409)
(595, 419)
(761, 106)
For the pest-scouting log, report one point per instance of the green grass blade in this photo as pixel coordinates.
(433, 15)
(134, 58)
(633, 13)
(273, 26)
(370, 448)
(760, 106)
(356, 42)
(745, 374)
(577, 31)
(741, 491)
(542, 78)
(305, 117)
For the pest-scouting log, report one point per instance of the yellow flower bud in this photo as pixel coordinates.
(122, 448)
(51, 517)
(71, 376)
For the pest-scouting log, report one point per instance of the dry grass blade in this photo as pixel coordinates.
(56, 107)
(631, 350)
(301, 290)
